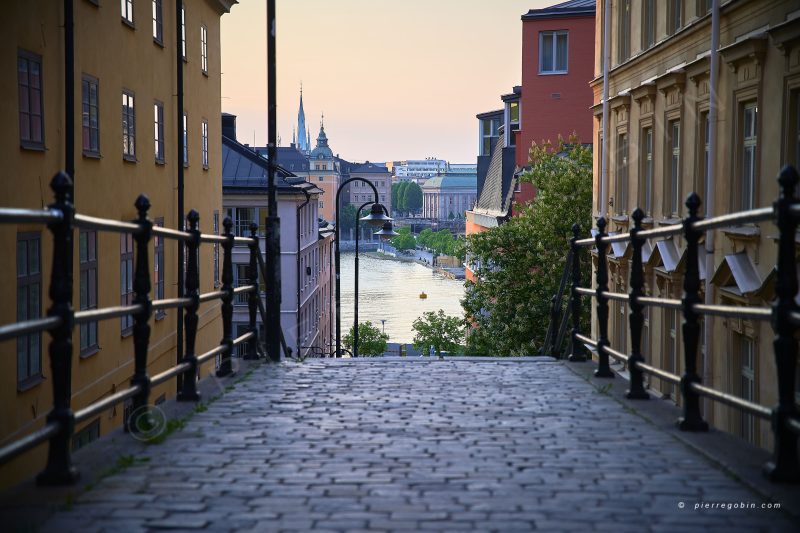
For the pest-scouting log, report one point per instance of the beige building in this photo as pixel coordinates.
(126, 130)
(379, 176)
(657, 152)
(324, 174)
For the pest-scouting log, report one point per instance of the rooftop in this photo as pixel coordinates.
(572, 8)
(453, 181)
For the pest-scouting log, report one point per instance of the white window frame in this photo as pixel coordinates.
(553, 34)
(204, 49)
(749, 144)
(126, 11)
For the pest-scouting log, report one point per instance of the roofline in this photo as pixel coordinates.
(255, 157)
(553, 12)
(487, 114)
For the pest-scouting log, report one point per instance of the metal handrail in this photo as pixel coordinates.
(169, 233)
(106, 224)
(10, 331)
(13, 215)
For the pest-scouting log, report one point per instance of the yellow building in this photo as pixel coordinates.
(324, 174)
(657, 152)
(124, 53)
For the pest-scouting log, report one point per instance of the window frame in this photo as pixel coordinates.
(126, 13)
(159, 146)
(623, 30)
(204, 143)
(185, 139)
(88, 268)
(30, 378)
(675, 16)
(158, 268)
(183, 34)
(673, 161)
(126, 280)
(742, 201)
(87, 81)
(621, 172)
(204, 49)
(30, 143)
(158, 22)
(647, 150)
(649, 21)
(128, 125)
(553, 34)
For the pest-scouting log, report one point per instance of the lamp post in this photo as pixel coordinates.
(386, 232)
(376, 218)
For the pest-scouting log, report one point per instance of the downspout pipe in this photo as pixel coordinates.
(179, 162)
(604, 159)
(710, 192)
(69, 93)
(299, 273)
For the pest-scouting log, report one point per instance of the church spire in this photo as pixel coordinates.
(303, 139)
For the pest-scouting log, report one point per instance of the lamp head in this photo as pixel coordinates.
(387, 231)
(376, 215)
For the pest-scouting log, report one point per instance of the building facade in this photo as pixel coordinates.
(324, 175)
(449, 196)
(126, 130)
(418, 168)
(303, 252)
(376, 174)
(658, 150)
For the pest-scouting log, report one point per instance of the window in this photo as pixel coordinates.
(128, 126)
(29, 302)
(321, 204)
(670, 349)
(241, 278)
(489, 134)
(126, 279)
(647, 170)
(29, 80)
(624, 31)
(204, 49)
(158, 21)
(242, 217)
(703, 7)
(749, 169)
(673, 163)
(185, 140)
(622, 173)
(321, 178)
(158, 130)
(89, 115)
(553, 52)
(648, 23)
(674, 16)
(127, 11)
(746, 352)
(513, 122)
(88, 265)
(158, 266)
(183, 32)
(204, 142)
(216, 249)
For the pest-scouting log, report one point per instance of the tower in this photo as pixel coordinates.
(302, 137)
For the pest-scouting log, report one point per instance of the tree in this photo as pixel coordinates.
(405, 240)
(347, 218)
(400, 207)
(424, 238)
(370, 339)
(413, 197)
(443, 332)
(518, 265)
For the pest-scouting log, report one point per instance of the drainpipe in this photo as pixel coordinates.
(69, 93)
(606, 60)
(179, 163)
(299, 208)
(710, 182)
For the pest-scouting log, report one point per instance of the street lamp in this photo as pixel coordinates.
(375, 218)
(386, 232)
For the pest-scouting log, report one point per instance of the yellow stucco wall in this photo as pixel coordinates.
(121, 57)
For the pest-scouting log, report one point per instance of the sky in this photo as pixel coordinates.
(396, 79)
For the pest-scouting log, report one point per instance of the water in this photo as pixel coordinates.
(390, 290)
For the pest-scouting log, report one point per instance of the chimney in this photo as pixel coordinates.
(229, 126)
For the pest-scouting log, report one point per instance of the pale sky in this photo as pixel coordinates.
(396, 79)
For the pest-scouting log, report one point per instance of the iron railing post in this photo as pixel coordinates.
(252, 300)
(188, 391)
(785, 466)
(578, 354)
(59, 469)
(141, 326)
(603, 368)
(691, 420)
(225, 367)
(636, 391)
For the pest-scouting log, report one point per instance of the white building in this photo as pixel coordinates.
(419, 168)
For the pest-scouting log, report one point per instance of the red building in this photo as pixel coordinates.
(557, 66)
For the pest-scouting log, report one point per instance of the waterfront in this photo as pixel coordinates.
(390, 290)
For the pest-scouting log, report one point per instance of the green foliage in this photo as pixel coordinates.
(395, 187)
(347, 217)
(370, 339)
(443, 332)
(412, 197)
(519, 264)
(400, 205)
(424, 238)
(404, 241)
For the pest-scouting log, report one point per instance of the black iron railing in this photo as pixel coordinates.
(784, 315)
(61, 319)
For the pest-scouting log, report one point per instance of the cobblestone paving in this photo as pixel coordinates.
(412, 446)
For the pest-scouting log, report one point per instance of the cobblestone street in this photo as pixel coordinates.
(498, 445)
